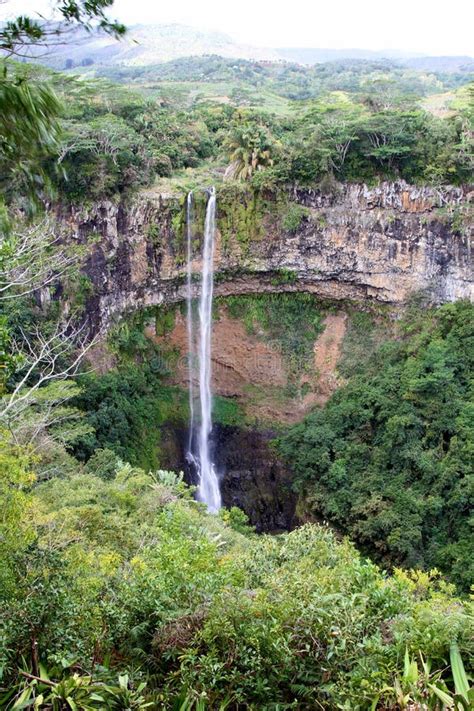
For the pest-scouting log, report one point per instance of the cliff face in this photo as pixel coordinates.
(356, 243)
(251, 475)
(251, 369)
(382, 243)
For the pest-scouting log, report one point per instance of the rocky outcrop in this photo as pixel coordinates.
(251, 475)
(380, 243)
(255, 479)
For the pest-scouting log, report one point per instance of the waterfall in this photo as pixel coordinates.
(189, 316)
(208, 487)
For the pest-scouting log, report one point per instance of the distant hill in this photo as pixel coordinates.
(462, 64)
(151, 44)
(146, 45)
(314, 55)
(453, 64)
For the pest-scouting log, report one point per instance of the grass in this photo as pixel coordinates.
(184, 94)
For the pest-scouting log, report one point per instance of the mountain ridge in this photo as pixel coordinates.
(145, 45)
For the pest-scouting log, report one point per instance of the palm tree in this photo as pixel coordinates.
(249, 147)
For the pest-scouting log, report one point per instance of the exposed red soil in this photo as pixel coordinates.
(253, 370)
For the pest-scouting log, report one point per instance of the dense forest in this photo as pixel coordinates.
(118, 590)
(388, 460)
(358, 122)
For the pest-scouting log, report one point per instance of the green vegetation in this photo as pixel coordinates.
(294, 217)
(88, 138)
(291, 322)
(242, 213)
(353, 142)
(339, 135)
(30, 109)
(101, 574)
(366, 331)
(389, 460)
(126, 409)
(114, 141)
(227, 412)
(30, 133)
(359, 120)
(257, 83)
(250, 149)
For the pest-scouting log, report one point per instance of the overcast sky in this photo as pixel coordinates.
(415, 25)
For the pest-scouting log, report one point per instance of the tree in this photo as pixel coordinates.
(249, 147)
(16, 477)
(19, 36)
(30, 261)
(389, 459)
(40, 359)
(104, 156)
(29, 132)
(32, 257)
(29, 110)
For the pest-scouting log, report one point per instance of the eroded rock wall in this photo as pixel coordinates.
(357, 243)
(380, 243)
(251, 475)
(251, 369)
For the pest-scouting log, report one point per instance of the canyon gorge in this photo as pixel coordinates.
(353, 248)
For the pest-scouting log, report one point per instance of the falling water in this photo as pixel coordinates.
(208, 487)
(189, 316)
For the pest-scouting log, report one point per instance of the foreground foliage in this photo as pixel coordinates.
(103, 574)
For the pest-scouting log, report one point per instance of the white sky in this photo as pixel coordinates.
(431, 26)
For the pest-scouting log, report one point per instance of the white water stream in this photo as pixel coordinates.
(208, 487)
(189, 315)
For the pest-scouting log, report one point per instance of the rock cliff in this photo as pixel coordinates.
(356, 243)
(380, 243)
(251, 369)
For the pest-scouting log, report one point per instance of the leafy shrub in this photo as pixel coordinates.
(126, 409)
(132, 572)
(293, 217)
(103, 463)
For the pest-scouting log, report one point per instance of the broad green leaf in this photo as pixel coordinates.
(461, 683)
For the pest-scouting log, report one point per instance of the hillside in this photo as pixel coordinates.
(146, 45)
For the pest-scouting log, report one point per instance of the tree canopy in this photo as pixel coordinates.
(389, 460)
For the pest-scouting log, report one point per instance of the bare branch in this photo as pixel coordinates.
(45, 359)
(32, 258)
